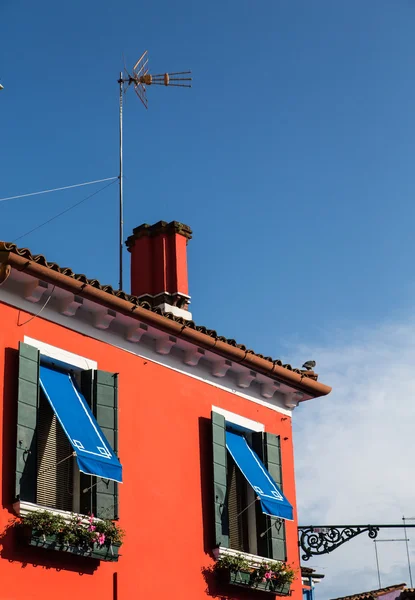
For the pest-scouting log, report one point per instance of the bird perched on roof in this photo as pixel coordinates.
(309, 365)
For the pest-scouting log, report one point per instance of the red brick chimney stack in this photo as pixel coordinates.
(159, 265)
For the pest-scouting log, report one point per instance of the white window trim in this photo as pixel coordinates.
(252, 559)
(238, 420)
(23, 508)
(82, 364)
(74, 360)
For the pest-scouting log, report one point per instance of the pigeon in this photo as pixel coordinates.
(309, 365)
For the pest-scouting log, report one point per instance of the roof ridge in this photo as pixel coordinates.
(372, 593)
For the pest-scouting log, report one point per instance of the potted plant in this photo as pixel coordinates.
(90, 537)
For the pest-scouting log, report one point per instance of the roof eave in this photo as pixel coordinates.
(297, 381)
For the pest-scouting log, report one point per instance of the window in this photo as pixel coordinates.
(236, 506)
(241, 506)
(240, 523)
(56, 465)
(47, 471)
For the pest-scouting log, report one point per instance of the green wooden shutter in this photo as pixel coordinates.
(105, 407)
(101, 392)
(219, 480)
(27, 405)
(277, 543)
(106, 412)
(273, 544)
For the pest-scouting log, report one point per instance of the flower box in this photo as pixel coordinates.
(82, 536)
(245, 579)
(254, 572)
(52, 542)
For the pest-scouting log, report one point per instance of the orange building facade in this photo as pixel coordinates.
(177, 387)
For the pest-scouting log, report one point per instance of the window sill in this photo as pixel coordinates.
(23, 508)
(253, 559)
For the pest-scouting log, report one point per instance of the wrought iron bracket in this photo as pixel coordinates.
(315, 540)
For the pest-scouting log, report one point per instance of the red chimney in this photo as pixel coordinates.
(159, 265)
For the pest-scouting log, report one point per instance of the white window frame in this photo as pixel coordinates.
(78, 363)
(249, 426)
(238, 420)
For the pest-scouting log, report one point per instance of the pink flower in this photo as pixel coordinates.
(91, 528)
(268, 575)
(101, 539)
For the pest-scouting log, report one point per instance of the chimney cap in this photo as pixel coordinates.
(159, 228)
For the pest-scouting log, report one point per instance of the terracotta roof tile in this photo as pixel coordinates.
(373, 594)
(308, 572)
(41, 260)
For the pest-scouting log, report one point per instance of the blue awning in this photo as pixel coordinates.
(273, 501)
(93, 453)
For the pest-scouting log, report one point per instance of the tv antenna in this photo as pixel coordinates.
(140, 79)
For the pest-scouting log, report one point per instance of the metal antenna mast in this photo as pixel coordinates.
(407, 548)
(376, 542)
(140, 79)
(377, 563)
(121, 184)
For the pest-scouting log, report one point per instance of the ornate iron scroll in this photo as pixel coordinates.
(323, 540)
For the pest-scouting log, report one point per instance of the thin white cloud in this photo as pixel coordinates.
(355, 453)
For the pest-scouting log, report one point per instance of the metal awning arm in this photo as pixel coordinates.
(324, 539)
(315, 540)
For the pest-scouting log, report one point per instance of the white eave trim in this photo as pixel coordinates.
(130, 335)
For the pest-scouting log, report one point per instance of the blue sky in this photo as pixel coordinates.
(291, 158)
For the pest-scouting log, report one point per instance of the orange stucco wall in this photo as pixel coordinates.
(166, 498)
